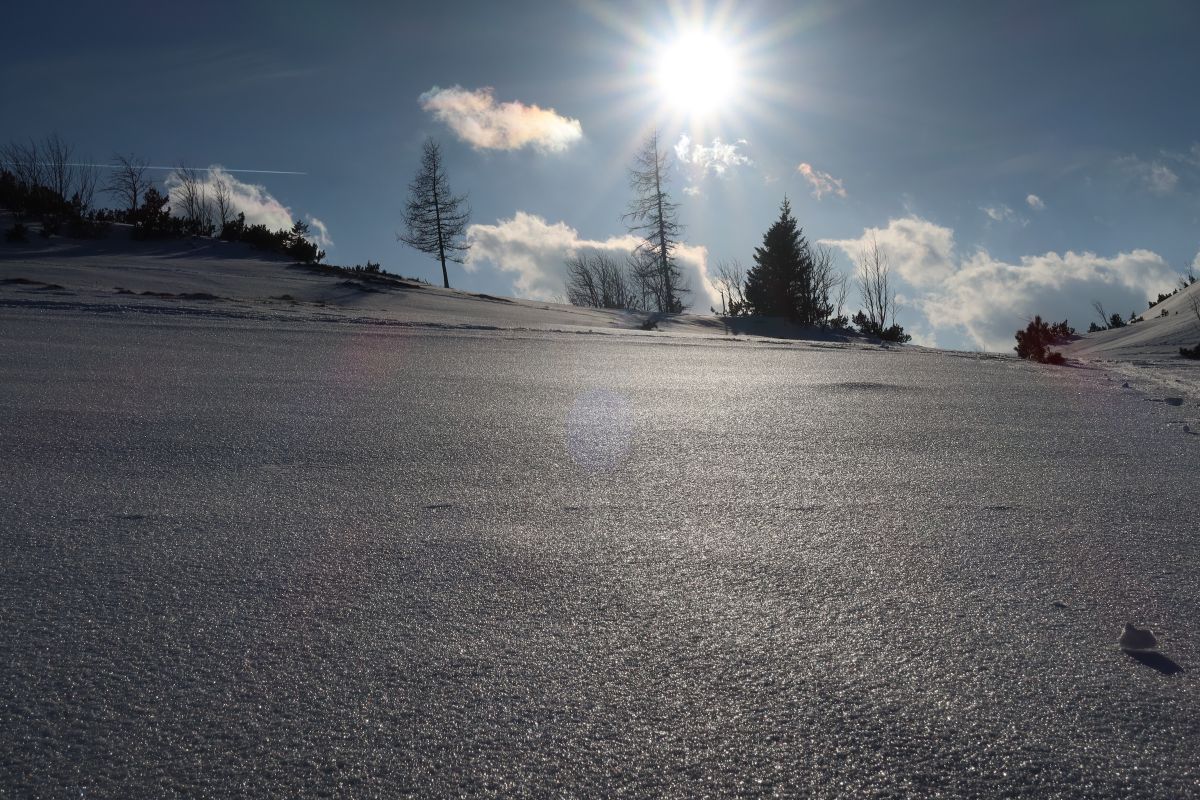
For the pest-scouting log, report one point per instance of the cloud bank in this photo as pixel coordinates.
(477, 119)
(822, 182)
(534, 250)
(989, 298)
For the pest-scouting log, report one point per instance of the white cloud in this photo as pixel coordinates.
(1003, 213)
(534, 251)
(1000, 213)
(319, 232)
(1035, 202)
(251, 199)
(988, 298)
(822, 182)
(1191, 157)
(477, 119)
(921, 252)
(715, 158)
(1154, 176)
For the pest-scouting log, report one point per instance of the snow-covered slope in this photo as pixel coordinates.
(1148, 351)
(208, 276)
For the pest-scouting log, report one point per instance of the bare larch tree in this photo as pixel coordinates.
(652, 216)
(435, 220)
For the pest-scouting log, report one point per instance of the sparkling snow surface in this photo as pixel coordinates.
(250, 555)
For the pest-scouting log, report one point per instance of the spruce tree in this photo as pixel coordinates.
(779, 283)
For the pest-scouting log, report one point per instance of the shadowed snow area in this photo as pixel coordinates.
(250, 549)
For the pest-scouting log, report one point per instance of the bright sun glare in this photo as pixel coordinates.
(697, 73)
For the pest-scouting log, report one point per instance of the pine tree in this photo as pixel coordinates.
(434, 218)
(780, 282)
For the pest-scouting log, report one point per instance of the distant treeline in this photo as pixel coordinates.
(790, 278)
(44, 182)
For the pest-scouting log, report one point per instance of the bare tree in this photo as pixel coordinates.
(838, 291)
(87, 178)
(1104, 318)
(223, 198)
(731, 283)
(652, 216)
(25, 163)
(1194, 301)
(191, 194)
(828, 285)
(435, 220)
(598, 280)
(57, 167)
(128, 180)
(874, 285)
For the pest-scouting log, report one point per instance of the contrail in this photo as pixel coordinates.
(254, 171)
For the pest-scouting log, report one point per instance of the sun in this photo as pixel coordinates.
(697, 74)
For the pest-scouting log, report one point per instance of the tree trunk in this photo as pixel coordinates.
(664, 263)
(437, 211)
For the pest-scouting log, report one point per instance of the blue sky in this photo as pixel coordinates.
(1012, 157)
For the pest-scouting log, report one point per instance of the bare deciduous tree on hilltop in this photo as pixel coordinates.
(192, 198)
(731, 282)
(57, 165)
(87, 178)
(51, 165)
(652, 216)
(223, 198)
(874, 284)
(598, 280)
(435, 220)
(878, 295)
(25, 162)
(128, 180)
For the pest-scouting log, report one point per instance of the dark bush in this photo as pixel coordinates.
(1193, 353)
(894, 333)
(17, 233)
(1036, 340)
